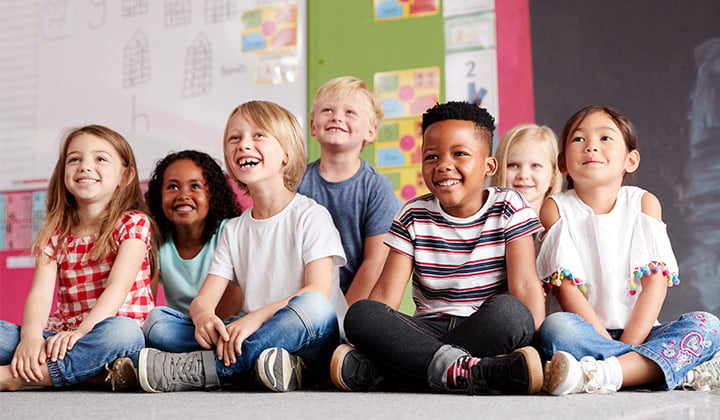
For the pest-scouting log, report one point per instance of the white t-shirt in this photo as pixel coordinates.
(267, 257)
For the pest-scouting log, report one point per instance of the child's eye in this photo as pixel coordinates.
(430, 157)
(536, 166)
(351, 112)
(73, 160)
(172, 187)
(512, 166)
(233, 139)
(460, 153)
(259, 135)
(326, 110)
(605, 138)
(578, 139)
(196, 186)
(102, 159)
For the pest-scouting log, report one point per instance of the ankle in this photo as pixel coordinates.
(459, 374)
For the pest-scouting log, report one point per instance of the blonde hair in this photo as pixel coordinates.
(346, 86)
(528, 132)
(283, 125)
(62, 208)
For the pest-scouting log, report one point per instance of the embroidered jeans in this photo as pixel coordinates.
(676, 346)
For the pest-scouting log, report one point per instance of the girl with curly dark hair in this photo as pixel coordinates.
(190, 198)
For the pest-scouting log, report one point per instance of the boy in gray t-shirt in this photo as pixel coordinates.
(344, 118)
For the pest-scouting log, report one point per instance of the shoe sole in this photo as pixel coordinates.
(535, 370)
(123, 368)
(560, 370)
(336, 365)
(142, 371)
(276, 371)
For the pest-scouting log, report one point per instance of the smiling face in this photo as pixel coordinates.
(93, 170)
(455, 165)
(253, 155)
(185, 195)
(343, 123)
(529, 170)
(596, 153)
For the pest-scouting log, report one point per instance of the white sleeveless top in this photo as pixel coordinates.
(603, 251)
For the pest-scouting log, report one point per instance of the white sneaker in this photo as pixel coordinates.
(704, 377)
(565, 375)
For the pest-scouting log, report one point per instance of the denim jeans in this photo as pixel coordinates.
(420, 350)
(109, 339)
(306, 327)
(676, 346)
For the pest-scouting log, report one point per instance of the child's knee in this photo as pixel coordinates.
(122, 331)
(556, 327)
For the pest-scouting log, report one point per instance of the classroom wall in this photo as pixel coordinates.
(658, 62)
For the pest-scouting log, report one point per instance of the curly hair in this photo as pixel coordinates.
(222, 203)
(458, 110)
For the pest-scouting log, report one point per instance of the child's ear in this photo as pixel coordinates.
(128, 176)
(372, 135)
(312, 128)
(491, 165)
(632, 161)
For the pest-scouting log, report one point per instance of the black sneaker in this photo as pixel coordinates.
(167, 372)
(519, 372)
(122, 375)
(351, 370)
(279, 370)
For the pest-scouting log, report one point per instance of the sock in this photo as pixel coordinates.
(613, 372)
(461, 369)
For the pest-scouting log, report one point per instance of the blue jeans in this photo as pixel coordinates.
(676, 346)
(306, 327)
(111, 338)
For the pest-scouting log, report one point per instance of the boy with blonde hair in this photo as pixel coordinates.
(344, 118)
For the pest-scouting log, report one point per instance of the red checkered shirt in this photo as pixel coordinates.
(82, 281)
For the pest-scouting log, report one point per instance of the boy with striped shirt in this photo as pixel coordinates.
(471, 256)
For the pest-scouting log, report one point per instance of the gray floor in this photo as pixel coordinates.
(48, 404)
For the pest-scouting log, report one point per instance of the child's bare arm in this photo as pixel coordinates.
(654, 289)
(209, 328)
(374, 254)
(523, 280)
(30, 352)
(125, 268)
(395, 275)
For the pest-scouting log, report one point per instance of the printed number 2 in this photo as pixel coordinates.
(471, 69)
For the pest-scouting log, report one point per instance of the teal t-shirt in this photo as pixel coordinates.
(181, 279)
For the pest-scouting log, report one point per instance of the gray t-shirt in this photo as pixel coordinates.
(361, 206)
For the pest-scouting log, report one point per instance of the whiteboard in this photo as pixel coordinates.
(164, 73)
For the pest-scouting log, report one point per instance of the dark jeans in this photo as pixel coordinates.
(422, 349)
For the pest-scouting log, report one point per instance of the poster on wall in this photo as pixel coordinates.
(404, 9)
(406, 95)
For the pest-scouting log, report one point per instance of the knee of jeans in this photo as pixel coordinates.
(703, 321)
(359, 312)
(556, 328)
(315, 306)
(122, 331)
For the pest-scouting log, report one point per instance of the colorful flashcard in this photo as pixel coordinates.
(276, 68)
(38, 211)
(470, 32)
(398, 155)
(407, 93)
(464, 7)
(403, 9)
(269, 28)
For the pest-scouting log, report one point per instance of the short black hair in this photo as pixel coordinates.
(222, 199)
(460, 110)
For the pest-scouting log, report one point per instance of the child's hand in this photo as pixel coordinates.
(29, 355)
(59, 344)
(239, 331)
(210, 330)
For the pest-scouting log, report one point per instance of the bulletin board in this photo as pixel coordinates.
(383, 41)
(164, 74)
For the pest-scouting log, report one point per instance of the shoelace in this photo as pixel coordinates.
(185, 369)
(589, 367)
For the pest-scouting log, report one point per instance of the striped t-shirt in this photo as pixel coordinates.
(459, 262)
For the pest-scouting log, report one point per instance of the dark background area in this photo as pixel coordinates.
(639, 57)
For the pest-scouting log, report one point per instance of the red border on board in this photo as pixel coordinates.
(514, 55)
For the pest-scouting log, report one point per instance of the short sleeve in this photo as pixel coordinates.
(651, 243)
(558, 253)
(134, 225)
(521, 219)
(382, 206)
